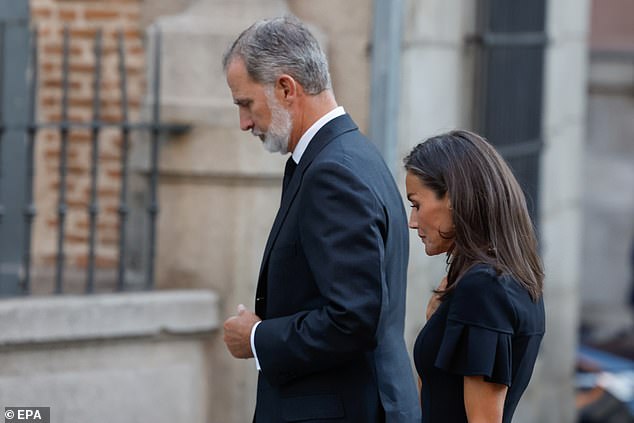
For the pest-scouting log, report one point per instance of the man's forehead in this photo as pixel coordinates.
(236, 69)
(238, 78)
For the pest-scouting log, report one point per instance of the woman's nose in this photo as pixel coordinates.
(413, 222)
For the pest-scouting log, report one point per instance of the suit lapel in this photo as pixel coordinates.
(322, 138)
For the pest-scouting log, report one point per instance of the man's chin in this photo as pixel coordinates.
(272, 150)
(273, 147)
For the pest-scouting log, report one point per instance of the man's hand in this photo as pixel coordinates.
(238, 332)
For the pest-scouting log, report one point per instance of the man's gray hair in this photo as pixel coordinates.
(270, 48)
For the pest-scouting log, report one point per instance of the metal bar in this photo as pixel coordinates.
(480, 103)
(510, 39)
(2, 38)
(125, 133)
(520, 149)
(29, 209)
(153, 207)
(61, 208)
(93, 207)
(10, 21)
(3, 128)
(174, 129)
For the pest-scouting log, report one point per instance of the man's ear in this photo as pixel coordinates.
(287, 88)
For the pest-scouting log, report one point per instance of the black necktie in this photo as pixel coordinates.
(288, 173)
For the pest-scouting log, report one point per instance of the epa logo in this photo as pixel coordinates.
(27, 414)
(23, 414)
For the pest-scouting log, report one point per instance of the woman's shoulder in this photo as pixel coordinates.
(479, 299)
(485, 276)
(497, 299)
(480, 276)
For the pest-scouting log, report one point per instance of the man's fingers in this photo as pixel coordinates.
(228, 322)
(241, 309)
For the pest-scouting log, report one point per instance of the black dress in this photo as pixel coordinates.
(488, 326)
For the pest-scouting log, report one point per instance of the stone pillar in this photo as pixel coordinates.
(561, 189)
(436, 90)
(219, 189)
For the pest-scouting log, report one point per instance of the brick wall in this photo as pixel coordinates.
(612, 25)
(83, 18)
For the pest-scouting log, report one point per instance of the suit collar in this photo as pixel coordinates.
(322, 138)
(312, 131)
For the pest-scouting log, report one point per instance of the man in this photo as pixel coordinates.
(331, 290)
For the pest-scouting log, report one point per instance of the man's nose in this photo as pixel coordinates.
(246, 123)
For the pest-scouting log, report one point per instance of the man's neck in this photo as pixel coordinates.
(312, 109)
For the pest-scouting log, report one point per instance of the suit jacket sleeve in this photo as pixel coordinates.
(341, 230)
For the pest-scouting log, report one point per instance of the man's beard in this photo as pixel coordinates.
(279, 132)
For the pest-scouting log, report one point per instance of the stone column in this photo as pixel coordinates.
(436, 89)
(561, 188)
(219, 189)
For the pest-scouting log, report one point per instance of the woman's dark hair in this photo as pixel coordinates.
(492, 224)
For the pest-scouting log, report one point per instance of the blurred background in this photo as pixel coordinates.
(134, 212)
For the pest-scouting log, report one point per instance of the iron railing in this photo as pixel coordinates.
(511, 43)
(66, 126)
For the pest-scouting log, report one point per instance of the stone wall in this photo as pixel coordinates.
(122, 357)
(607, 278)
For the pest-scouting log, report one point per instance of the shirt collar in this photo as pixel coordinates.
(310, 133)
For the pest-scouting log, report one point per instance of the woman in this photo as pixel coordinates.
(476, 353)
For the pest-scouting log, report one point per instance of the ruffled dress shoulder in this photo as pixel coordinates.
(488, 326)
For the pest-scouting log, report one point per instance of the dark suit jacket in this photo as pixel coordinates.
(331, 291)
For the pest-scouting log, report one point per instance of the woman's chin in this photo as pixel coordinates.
(432, 251)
